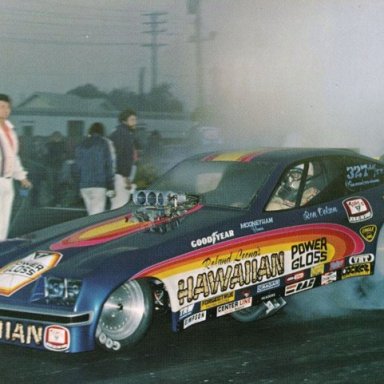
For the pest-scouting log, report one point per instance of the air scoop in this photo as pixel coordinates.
(164, 209)
(147, 197)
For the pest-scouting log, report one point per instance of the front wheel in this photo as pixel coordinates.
(126, 316)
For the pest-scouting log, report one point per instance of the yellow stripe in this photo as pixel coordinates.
(231, 156)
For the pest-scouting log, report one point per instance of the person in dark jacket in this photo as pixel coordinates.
(126, 146)
(94, 169)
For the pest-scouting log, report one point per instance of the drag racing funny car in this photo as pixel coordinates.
(224, 233)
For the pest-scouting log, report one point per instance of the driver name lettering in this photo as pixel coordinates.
(230, 277)
(320, 212)
(231, 258)
(309, 253)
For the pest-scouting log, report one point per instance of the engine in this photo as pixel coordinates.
(164, 209)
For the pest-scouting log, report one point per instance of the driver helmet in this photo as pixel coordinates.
(294, 178)
(291, 183)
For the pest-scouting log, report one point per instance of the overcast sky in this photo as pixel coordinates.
(279, 70)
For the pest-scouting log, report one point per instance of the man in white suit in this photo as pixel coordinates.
(10, 165)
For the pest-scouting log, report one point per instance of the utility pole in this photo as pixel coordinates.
(154, 24)
(194, 8)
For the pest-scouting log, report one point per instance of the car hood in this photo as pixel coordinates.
(112, 241)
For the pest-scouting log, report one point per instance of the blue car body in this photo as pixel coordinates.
(225, 241)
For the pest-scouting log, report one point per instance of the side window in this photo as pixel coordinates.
(362, 174)
(298, 186)
(315, 182)
(333, 176)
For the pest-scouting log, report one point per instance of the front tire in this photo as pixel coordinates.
(126, 316)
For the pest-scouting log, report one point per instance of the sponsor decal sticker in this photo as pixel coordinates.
(194, 319)
(253, 260)
(328, 278)
(363, 269)
(57, 338)
(309, 253)
(300, 286)
(336, 264)
(20, 273)
(186, 311)
(218, 300)
(214, 238)
(267, 286)
(368, 233)
(233, 307)
(317, 270)
(294, 277)
(358, 209)
(358, 259)
(257, 225)
(268, 297)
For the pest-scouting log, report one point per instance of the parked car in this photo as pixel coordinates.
(234, 233)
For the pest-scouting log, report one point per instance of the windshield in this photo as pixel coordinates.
(220, 183)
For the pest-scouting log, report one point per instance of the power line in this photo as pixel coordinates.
(60, 42)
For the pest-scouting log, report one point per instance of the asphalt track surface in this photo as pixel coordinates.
(347, 348)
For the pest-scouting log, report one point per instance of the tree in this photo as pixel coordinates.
(159, 99)
(88, 91)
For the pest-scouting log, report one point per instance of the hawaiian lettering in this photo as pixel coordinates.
(309, 253)
(230, 277)
(23, 334)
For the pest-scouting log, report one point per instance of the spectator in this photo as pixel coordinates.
(56, 155)
(94, 169)
(10, 165)
(126, 147)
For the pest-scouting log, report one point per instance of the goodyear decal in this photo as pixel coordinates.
(109, 230)
(250, 260)
(20, 273)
